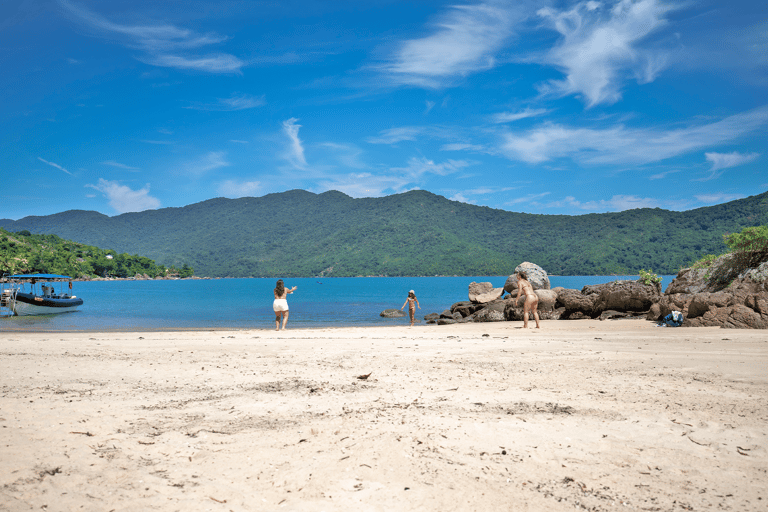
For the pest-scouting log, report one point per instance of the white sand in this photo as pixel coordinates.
(580, 415)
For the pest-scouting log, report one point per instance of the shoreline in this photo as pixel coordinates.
(583, 414)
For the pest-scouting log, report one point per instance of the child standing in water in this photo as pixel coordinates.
(412, 302)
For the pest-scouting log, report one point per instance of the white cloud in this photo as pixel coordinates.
(417, 167)
(212, 160)
(112, 163)
(602, 46)
(231, 104)
(721, 161)
(727, 160)
(365, 184)
(616, 203)
(718, 198)
(464, 40)
(508, 117)
(663, 175)
(54, 165)
(295, 154)
(123, 199)
(215, 63)
(626, 146)
(460, 146)
(164, 45)
(395, 135)
(234, 189)
(527, 199)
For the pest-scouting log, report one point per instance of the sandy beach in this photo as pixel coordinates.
(581, 415)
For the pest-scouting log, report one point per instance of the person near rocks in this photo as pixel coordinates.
(412, 302)
(524, 287)
(280, 305)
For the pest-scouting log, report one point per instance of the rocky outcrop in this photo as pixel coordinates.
(625, 296)
(743, 304)
(483, 292)
(537, 276)
(392, 313)
(699, 294)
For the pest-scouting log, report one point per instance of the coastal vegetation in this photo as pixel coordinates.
(417, 233)
(747, 249)
(26, 253)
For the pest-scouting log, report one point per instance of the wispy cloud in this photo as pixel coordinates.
(464, 40)
(722, 161)
(527, 199)
(216, 63)
(234, 189)
(54, 165)
(295, 153)
(395, 135)
(123, 199)
(602, 46)
(663, 175)
(718, 198)
(626, 146)
(162, 44)
(727, 160)
(112, 163)
(616, 203)
(463, 146)
(417, 167)
(212, 160)
(231, 104)
(508, 117)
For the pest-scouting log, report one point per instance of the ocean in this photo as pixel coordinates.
(247, 303)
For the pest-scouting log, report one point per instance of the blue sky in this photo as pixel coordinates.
(540, 107)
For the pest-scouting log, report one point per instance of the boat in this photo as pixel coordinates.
(18, 301)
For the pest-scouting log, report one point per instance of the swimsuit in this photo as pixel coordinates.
(280, 305)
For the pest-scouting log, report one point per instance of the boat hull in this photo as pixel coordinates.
(26, 304)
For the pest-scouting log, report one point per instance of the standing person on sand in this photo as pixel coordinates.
(280, 305)
(531, 299)
(412, 302)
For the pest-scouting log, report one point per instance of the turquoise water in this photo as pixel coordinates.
(247, 303)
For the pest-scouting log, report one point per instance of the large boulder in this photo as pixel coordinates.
(623, 296)
(575, 302)
(483, 292)
(466, 308)
(493, 312)
(392, 313)
(537, 276)
(513, 309)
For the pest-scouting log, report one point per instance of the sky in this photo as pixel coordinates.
(529, 106)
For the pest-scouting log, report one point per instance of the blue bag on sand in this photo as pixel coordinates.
(674, 319)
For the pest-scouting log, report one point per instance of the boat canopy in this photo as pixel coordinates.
(39, 277)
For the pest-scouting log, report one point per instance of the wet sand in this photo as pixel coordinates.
(581, 415)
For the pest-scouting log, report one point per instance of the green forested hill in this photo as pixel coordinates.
(299, 233)
(27, 253)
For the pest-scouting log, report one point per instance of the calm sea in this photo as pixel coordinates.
(247, 303)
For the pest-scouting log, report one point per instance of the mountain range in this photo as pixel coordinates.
(417, 233)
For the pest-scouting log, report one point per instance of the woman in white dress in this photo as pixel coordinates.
(280, 305)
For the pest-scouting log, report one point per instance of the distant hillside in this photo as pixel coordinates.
(27, 253)
(298, 233)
